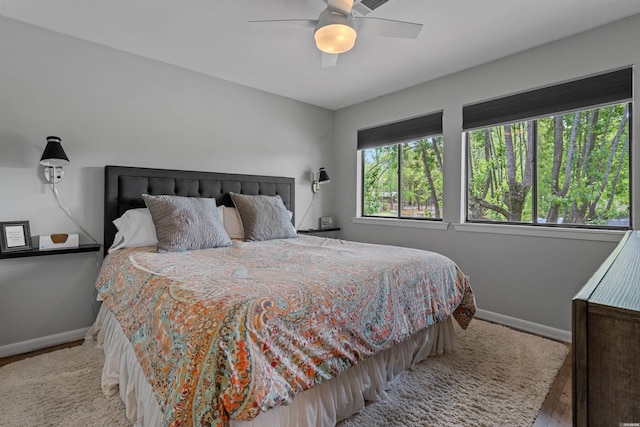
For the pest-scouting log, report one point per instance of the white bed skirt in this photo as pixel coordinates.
(323, 405)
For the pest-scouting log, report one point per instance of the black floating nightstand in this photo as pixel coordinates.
(89, 247)
(322, 232)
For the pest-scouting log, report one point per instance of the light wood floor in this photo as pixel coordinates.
(554, 412)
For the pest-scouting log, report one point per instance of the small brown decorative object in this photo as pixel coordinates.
(59, 238)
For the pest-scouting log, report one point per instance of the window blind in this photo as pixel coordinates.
(401, 131)
(614, 86)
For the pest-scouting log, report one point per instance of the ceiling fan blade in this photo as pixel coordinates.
(329, 59)
(387, 28)
(284, 23)
(342, 6)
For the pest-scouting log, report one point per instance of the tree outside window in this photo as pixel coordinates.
(570, 169)
(404, 180)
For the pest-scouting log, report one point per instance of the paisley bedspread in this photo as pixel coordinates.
(229, 332)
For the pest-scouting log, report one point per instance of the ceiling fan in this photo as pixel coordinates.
(338, 26)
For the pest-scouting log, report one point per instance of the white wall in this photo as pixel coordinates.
(111, 107)
(527, 277)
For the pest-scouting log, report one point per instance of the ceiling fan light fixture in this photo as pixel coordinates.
(335, 32)
(335, 38)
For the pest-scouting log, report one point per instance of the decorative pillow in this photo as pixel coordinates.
(135, 229)
(263, 217)
(186, 223)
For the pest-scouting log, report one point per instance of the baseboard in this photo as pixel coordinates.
(42, 342)
(524, 325)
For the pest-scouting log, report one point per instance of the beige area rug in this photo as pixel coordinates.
(498, 377)
(61, 388)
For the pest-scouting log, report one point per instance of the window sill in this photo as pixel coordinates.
(555, 232)
(395, 222)
(515, 230)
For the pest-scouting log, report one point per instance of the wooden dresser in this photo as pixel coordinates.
(606, 341)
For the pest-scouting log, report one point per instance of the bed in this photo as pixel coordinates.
(291, 331)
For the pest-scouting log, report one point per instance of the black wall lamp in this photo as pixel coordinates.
(322, 178)
(53, 159)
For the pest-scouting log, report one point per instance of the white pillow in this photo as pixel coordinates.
(135, 229)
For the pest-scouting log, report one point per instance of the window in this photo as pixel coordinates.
(542, 167)
(402, 169)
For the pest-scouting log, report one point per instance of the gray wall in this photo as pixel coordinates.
(114, 108)
(518, 275)
(111, 107)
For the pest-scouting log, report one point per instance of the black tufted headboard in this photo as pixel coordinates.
(124, 186)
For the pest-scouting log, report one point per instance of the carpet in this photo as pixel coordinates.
(498, 377)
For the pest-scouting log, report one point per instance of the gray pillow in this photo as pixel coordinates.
(186, 223)
(263, 217)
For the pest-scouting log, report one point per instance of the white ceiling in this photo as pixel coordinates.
(213, 37)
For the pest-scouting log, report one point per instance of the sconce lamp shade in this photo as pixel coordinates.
(323, 176)
(53, 154)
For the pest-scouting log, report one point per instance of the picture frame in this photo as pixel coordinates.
(15, 236)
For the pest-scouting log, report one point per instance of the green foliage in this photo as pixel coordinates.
(575, 164)
(416, 191)
(588, 185)
(381, 166)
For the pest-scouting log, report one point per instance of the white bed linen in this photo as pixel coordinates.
(323, 405)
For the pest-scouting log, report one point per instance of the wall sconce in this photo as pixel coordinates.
(53, 159)
(322, 178)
